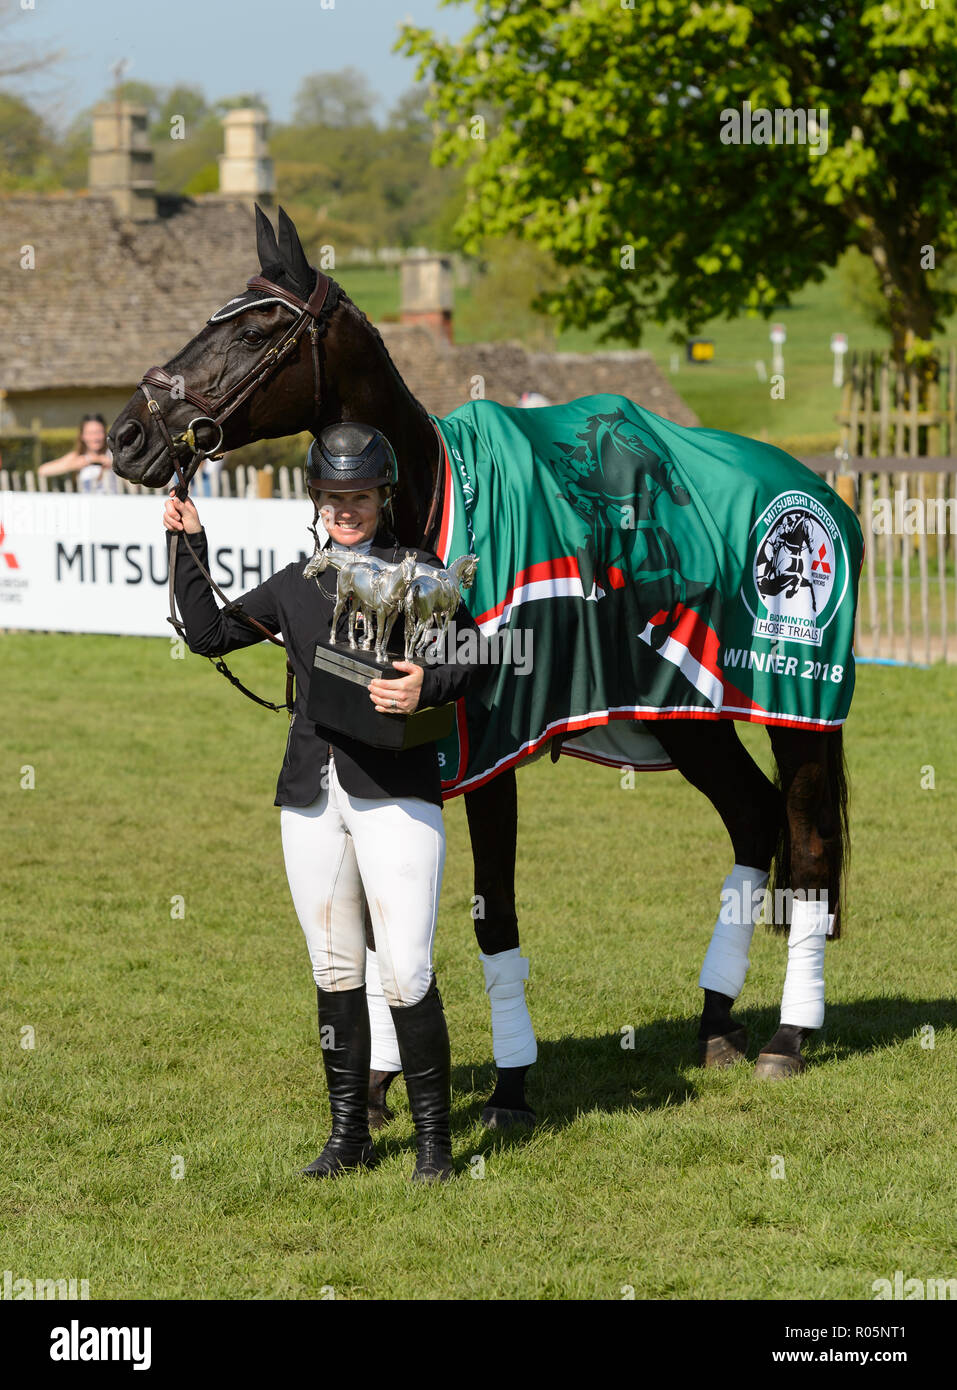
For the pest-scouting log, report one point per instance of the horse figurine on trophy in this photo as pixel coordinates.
(431, 601)
(375, 591)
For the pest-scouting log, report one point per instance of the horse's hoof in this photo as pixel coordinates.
(723, 1051)
(778, 1066)
(495, 1117)
(379, 1117)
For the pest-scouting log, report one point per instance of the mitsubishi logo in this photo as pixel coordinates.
(820, 561)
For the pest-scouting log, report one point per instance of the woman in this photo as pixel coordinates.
(359, 824)
(89, 459)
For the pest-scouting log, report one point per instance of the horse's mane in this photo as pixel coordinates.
(354, 309)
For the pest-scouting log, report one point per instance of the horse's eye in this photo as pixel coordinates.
(252, 336)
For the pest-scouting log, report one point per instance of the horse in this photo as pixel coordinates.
(434, 594)
(376, 590)
(325, 362)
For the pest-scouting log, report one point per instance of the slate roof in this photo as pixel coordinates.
(109, 298)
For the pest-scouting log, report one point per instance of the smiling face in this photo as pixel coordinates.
(93, 436)
(350, 517)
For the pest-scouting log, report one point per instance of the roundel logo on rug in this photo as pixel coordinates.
(798, 572)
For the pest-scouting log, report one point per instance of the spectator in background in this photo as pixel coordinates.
(89, 459)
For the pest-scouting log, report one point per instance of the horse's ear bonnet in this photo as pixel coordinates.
(283, 262)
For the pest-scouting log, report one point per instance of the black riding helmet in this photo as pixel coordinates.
(349, 457)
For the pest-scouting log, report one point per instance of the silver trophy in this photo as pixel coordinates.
(376, 591)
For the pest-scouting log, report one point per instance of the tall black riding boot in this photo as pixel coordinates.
(427, 1067)
(344, 1034)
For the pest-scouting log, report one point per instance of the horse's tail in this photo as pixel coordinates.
(826, 801)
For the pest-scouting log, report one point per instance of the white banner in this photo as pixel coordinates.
(74, 562)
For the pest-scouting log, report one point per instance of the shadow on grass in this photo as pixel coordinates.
(576, 1074)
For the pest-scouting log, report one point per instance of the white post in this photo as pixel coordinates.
(778, 339)
(839, 348)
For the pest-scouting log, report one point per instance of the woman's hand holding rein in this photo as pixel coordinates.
(181, 516)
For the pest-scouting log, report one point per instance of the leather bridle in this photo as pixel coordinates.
(311, 316)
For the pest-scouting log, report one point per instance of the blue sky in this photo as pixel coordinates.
(222, 46)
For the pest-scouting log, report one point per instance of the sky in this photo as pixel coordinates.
(221, 46)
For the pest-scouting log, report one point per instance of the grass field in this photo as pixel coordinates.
(158, 1038)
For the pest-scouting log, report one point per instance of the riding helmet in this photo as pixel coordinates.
(349, 457)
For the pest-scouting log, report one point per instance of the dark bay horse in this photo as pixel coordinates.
(257, 378)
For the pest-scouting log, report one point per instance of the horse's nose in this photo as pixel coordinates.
(129, 439)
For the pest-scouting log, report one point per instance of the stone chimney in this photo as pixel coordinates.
(426, 293)
(245, 168)
(121, 160)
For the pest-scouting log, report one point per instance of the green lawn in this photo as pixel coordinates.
(157, 1037)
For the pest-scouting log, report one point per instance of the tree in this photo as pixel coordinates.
(338, 99)
(610, 142)
(20, 58)
(24, 138)
(503, 296)
(182, 100)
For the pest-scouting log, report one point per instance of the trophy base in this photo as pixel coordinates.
(338, 699)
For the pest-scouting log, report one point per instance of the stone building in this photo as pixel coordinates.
(96, 286)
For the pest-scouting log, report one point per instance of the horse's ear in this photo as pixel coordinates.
(266, 245)
(293, 256)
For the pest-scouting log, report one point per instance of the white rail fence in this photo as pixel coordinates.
(908, 513)
(242, 481)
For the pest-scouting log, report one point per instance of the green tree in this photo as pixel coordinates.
(181, 100)
(140, 94)
(604, 125)
(25, 140)
(512, 276)
(337, 99)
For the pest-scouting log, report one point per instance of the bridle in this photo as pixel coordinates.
(309, 316)
(312, 317)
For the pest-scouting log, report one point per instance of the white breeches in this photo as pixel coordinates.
(344, 850)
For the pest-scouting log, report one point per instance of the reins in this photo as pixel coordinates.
(310, 317)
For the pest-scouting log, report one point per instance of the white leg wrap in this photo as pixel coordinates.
(726, 961)
(385, 1044)
(513, 1038)
(802, 1003)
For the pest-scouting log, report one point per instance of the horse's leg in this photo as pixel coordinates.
(384, 624)
(814, 854)
(367, 633)
(352, 598)
(712, 758)
(409, 628)
(336, 615)
(492, 812)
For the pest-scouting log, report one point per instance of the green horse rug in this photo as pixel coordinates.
(633, 570)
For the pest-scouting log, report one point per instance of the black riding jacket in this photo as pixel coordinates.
(298, 609)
